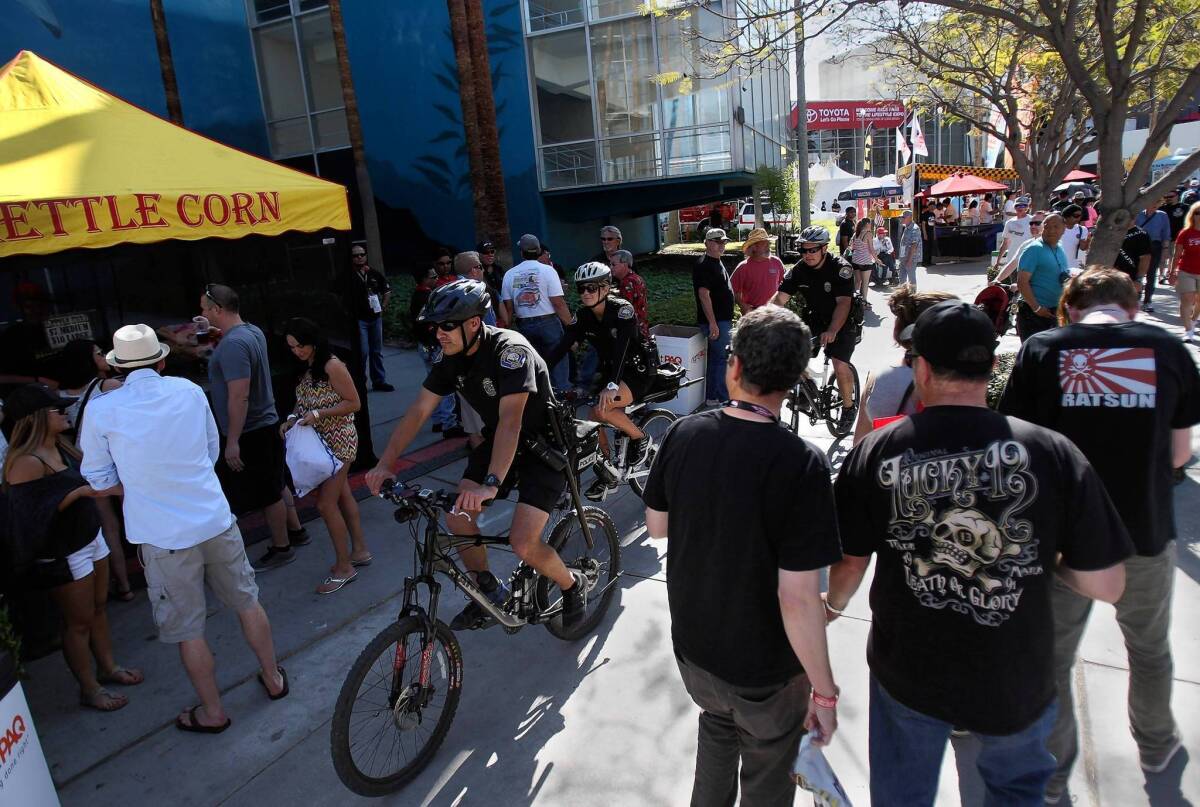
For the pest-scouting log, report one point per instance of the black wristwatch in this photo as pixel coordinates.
(491, 481)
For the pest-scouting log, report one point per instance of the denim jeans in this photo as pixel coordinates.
(1144, 616)
(370, 336)
(714, 371)
(544, 333)
(907, 274)
(444, 415)
(1148, 285)
(906, 749)
(760, 727)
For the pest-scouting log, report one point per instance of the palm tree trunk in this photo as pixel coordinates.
(354, 126)
(496, 210)
(468, 89)
(166, 64)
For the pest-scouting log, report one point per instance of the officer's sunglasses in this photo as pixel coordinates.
(811, 250)
(588, 288)
(448, 326)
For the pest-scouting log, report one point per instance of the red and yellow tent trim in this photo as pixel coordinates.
(934, 172)
(82, 168)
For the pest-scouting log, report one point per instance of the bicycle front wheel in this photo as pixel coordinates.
(395, 706)
(832, 397)
(655, 425)
(600, 564)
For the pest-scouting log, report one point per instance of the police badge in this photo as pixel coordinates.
(489, 387)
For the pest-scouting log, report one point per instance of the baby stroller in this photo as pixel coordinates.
(994, 301)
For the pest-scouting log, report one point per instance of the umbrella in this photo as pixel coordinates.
(961, 184)
(1078, 176)
(871, 188)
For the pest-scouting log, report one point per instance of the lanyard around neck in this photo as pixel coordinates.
(755, 408)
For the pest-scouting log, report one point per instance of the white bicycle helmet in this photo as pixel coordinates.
(593, 272)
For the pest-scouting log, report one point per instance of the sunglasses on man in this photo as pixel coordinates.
(1035, 224)
(448, 326)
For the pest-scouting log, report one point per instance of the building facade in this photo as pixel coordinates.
(592, 129)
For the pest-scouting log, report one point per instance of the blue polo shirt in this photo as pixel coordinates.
(1157, 226)
(1046, 265)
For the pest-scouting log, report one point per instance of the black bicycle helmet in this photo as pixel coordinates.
(814, 235)
(456, 302)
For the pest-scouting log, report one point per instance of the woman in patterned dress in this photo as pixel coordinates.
(327, 400)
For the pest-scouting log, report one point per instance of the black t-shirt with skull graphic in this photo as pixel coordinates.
(967, 510)
(504, 364)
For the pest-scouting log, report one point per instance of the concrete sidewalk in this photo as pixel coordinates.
(604, 721)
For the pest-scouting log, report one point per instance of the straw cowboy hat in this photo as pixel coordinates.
(136, 346)
(757, 236)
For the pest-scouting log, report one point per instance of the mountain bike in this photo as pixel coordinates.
(821, 399)
(401, 693)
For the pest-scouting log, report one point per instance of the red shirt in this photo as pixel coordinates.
(756, 282)
(445, 280)
(633, 289)
(1187, 247)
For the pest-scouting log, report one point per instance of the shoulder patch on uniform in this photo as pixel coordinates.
(625, 312)
(514, 358)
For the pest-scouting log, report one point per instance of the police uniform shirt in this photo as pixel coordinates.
(615, 336)
(824, 283)
(504, 364)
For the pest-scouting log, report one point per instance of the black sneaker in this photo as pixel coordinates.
(846, 421)
(598, 489)
(469, 618)
(299, 537)
(273, 559)
(574, 602)
(636, 452)
(384, 387)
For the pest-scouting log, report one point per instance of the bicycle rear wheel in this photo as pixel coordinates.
(832, 398)
(395, 706)
(655, 425)
(600, 564)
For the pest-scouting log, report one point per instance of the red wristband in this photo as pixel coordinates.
(824, 701)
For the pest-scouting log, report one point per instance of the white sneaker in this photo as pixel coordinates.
(1189, 334)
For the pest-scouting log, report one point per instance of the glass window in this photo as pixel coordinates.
(564, 93)
(623, 65)
(627, 158)
(330, 130)
(603, 9)
(320, 62)
(567, 166)
(697, 151)
(279, 71)
(309, 5)
(544, 14)
(690, 101)
(267, 10)
(289, 138)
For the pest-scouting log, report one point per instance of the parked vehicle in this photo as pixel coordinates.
(772, 221)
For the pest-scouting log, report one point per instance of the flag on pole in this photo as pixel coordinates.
(918, 138)
(902, 147)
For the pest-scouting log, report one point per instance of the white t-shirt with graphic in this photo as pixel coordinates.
(1017, 231)
(529, 286)
(1070, 241)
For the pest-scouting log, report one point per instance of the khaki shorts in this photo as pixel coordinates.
(1187, 283)
(175, 581)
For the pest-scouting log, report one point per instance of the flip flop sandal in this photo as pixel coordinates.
(281, 694)
(110, 677)
(337, 582)
(195, 727)
(117, 595)
(90, 700)
(364, 562)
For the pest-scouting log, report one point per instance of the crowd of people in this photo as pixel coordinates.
(992, 531)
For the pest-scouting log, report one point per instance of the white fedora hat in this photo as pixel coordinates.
(136, 346)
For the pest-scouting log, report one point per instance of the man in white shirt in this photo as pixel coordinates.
(985, 210)
(1074, 235)
(533, 301)
(1010, 205)
(1016, 231)
(156, 437)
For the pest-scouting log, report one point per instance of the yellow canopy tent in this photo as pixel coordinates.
(82, 168)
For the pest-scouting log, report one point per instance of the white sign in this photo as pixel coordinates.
(61, 330)
(24, 775)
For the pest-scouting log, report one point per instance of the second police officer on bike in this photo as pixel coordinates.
(828, 296)
(626, 360)
(499, 373)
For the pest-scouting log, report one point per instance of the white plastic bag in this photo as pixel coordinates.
(812, 772)
(308, 458)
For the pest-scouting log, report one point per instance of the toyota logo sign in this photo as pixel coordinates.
(811, 115)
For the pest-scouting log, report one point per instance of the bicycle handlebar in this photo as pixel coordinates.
(402, 494)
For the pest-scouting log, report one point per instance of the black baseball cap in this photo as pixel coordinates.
(485, 246)
(953, 335)
(25, 400)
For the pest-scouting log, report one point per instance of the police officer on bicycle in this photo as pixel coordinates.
(499, 373)
(828, 295)
(627, 361)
